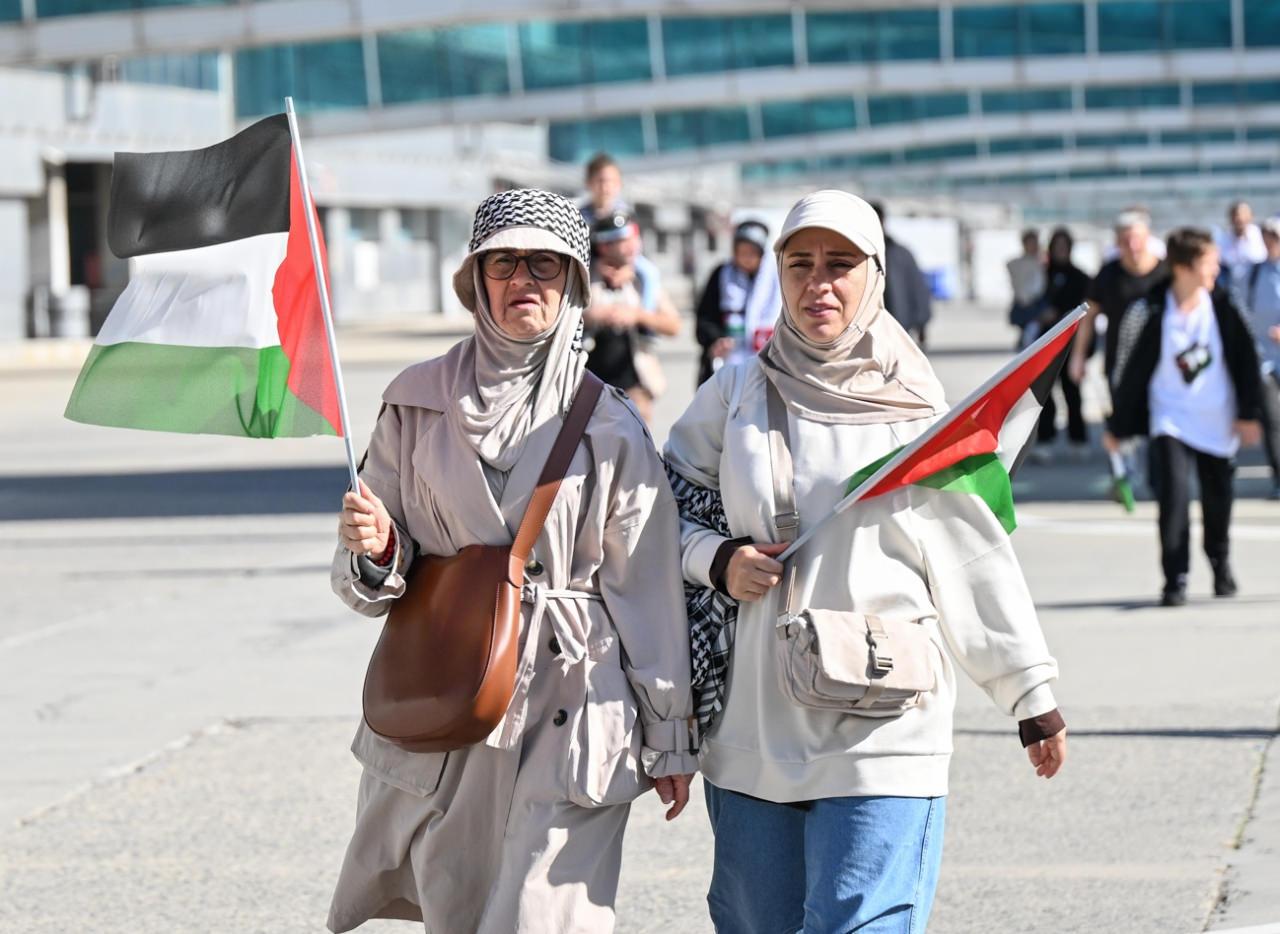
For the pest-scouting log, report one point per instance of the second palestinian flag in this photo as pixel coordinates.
(976, 448)
(220, 329)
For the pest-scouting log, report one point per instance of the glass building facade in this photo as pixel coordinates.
(546, 55)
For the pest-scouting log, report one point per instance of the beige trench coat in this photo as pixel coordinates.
(524, 832)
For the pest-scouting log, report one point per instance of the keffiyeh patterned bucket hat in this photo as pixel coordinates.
(525, 219)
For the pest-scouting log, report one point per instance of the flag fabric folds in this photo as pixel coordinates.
(976, 448)
(220, 330)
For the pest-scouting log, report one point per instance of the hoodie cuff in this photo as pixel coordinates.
(1040, 728)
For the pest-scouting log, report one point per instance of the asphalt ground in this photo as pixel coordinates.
(178, 688)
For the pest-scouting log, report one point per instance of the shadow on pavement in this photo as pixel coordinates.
(1154, 733)
(1128, 604)
(275, 491)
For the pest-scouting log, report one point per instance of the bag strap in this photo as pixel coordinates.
(786, 520)
(557, 465)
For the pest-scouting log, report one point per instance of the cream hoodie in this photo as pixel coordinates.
(918, 554)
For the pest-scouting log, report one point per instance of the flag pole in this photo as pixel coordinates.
(869, 484)
(322, 287)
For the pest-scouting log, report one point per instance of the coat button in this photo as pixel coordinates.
(554, 646)
(560, 717)
(534, 567)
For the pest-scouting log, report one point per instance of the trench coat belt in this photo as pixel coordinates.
(572, 650)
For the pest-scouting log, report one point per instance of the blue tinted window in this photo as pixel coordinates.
(858, 160)
(1129, 27)
(1006, 31)
(1096, 174)
(705, 44)
(1196, 137)
(775, 171)
(319, 75)
(75, 7)
(564, 54)
(197, 70)
(578, 140)
(1139, 95)
(821, 115)
(1054, 29)
(1001, 102)
(944, 151)
(907, 35)
(985, 31)
(1261, 23)
(1234, 168)
(1215, 92)
(10, 10)
(873, 35)
(688, 129)
(1109, 140)
(1260, 133)
(1161, 25)
(1235, 92)
(1198, 24)
(428, 64)
(1161, 171)
(1016, 144)
(900, 108)
(618, 50)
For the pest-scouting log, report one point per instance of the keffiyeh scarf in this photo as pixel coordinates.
(713, 616)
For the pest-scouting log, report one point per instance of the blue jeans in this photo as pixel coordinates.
(828, 866)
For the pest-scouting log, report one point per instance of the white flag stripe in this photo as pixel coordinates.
(1017, 428)
(212, 296)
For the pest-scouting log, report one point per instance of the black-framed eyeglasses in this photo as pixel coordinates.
(542, 265)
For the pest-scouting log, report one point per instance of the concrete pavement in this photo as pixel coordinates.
(177, 688)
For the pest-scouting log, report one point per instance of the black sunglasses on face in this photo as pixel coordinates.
(543, 266)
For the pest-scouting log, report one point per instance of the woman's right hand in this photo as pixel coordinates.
(752, 571)
(364, 525)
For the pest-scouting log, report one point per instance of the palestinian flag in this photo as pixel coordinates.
(977, 446)
(220, 329)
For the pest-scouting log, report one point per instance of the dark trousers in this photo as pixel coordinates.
(1047, 430)
(1271, 422)
(1171, 465)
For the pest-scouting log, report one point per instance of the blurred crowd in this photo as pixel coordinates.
(1181, 336)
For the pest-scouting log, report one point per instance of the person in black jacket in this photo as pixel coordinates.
(723, 328)
(906, 291)
(1187, 377)
(1066, 286)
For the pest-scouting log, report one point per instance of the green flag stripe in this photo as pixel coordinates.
(240, 391)
(981, 475)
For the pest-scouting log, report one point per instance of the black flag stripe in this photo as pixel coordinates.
(163, 201)
(1040, 389)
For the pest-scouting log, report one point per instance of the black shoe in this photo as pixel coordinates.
(1175, 592)
(1224, 584)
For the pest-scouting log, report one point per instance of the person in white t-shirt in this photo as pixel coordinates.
(1187, 376)
(1241, 245)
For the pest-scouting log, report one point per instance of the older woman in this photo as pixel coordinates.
(829, 819)
(524, 831)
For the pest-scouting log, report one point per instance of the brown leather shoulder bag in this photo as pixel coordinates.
(443, 672)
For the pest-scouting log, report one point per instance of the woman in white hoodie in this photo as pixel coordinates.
(831, 819)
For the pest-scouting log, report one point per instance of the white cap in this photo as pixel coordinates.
(839, 211)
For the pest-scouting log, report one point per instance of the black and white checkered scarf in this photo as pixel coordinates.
(713, 616)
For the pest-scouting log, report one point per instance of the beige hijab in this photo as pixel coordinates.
(506, 387)
(873, 372)
(513, 385)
